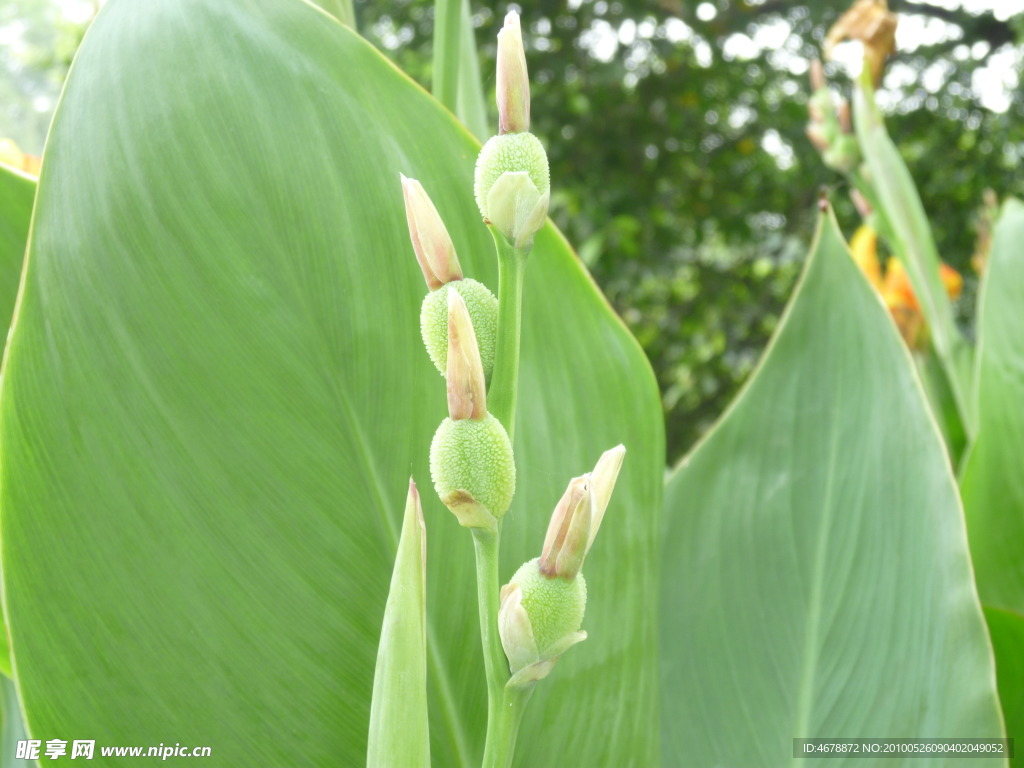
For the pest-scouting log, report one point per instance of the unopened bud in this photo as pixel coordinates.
(467, 392)
(513, 84)
(578, 516)
(512, 185)
(434, 249)
(539, 620)
(483, 311)
(474, 471)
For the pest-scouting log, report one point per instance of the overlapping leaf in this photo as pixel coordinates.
(215, 393)
(17, 191)
(817, 579)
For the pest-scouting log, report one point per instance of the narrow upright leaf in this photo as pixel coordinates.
(1007, 630)
(992, 481)
(817, 581)
(915, 246)
(17, 191)
(399, 733)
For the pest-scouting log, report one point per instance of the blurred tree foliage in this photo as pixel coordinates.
(679, 164)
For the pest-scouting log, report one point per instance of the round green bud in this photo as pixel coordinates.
(510, 152)
(555, 606)
(474, 455)
(483, 311)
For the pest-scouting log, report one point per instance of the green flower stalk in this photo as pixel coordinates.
(435, 253)
(542, 607)
(471, 459)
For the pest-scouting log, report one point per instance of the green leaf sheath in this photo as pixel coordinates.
(913, 243)
(817, 581)
(991, 481)
(472, 108)
(216, 391)
(399, 734)
(447, 51)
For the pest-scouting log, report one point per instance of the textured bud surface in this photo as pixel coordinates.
(510, 153)
(483, 311)
(555, 606)
(474, 456)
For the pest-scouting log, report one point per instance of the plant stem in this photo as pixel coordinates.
(504, 708)
(485, 543)
(501, 397)
(503, 730)
(447, 50)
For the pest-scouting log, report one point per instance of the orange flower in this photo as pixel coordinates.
(894, 285)
(864, 247)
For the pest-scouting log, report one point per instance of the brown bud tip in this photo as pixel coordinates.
(467, 391)
(817, 75)
(568, 533)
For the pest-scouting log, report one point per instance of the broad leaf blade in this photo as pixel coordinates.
(817, 580)
(216, 390)
(399, 731)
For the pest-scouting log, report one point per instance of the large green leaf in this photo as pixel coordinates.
(216, 392)
(817, 581)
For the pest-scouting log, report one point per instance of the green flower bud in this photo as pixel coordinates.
(539, 620)
(483, 311)
(555, 606)
(513, 185)
(472, 465)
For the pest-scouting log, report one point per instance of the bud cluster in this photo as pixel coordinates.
(471, 458)
(830, 128)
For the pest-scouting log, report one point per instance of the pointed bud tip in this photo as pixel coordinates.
(435, 252)
(467, 389)
(513, 85)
